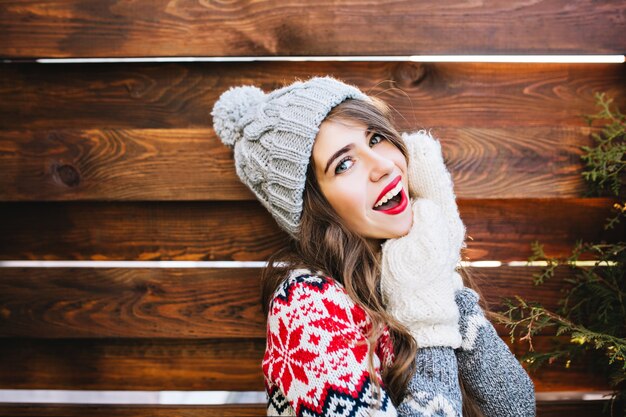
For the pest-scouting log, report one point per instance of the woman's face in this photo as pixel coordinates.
(353, 180)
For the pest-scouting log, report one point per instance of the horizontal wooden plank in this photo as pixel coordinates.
(132, 364)
(181, 95)
(497, 229)
(189, 164)
(119, 132)
(571, 408)
(120, 410)
(159, 364)
(503, 230)
(261, 28)
(544, 409)
(146, 302)
(182, 303)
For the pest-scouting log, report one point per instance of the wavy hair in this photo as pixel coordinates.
(326, 244)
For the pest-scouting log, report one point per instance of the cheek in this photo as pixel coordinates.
(348, 200)
(398, 158)
(389, 151)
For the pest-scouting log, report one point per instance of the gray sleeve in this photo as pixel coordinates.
(434, 389)
(489, 370)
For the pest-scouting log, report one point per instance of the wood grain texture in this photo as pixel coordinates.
(119, 162)
(544, 409)
(143, 302)
(132, 364)
(142, 132)
(160, 28)
(120, 410)
(497, 229)
(176, 364)
(181, 95)
(571, 408)
(184, 302)
(190, 164)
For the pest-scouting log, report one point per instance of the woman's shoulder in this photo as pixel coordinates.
(304, 277)
(305, 287)
(316, 350)
(316, 299)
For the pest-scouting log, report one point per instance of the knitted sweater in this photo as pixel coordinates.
(316, 364)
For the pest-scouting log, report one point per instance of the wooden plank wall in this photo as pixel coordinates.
(118, 161)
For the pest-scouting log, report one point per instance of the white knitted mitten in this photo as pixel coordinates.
(418, 281)
(429, 178)
(418, 277)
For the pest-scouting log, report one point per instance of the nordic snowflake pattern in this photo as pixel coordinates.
(315, 362)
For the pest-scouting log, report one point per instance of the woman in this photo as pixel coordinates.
(366, 315)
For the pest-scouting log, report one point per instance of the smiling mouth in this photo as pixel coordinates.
(395, 205)
(393, 202)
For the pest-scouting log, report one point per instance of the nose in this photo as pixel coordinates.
(380, 165)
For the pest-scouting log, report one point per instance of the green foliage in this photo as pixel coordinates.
(605, 161)
(592, 310)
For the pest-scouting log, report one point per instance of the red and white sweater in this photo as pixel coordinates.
(315, 361)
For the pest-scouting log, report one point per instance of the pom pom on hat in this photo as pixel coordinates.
(230, 109)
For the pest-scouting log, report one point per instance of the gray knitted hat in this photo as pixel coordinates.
(272, 136)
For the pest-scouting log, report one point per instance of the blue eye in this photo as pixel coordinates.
(348, 158)
(380, 136)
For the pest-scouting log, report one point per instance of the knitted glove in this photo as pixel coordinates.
(434, 388)
(418, 277)
(429, 178)
(418, 282)
(489, 370)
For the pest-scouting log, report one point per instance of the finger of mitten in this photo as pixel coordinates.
(428, 174)
(434, 388)
(495, 378)
(429, 177)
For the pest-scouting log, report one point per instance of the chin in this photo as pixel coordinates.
(397, 235)
(393, 234)
(402, 231)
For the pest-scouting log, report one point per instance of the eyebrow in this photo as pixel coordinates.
(343, 150)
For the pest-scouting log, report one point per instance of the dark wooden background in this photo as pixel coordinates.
(118, 161)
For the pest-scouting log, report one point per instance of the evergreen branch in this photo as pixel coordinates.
(593, 311)
(615, 346)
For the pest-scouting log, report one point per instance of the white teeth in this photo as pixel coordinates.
(389, 195)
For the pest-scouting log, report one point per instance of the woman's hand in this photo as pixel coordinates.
(418, 277)
(434, 388)
(418, 280)
(489, 370)
(429, 178)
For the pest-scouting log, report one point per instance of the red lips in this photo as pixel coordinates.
(388, 188)
(404, 203)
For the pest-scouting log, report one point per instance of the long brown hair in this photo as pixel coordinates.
(325, 244)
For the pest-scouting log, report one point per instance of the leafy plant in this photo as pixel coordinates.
(593, 310)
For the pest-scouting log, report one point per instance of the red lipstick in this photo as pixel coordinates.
(389, 187)
(404, 200)
(400, 207)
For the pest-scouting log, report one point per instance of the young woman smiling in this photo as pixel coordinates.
(366, 311)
